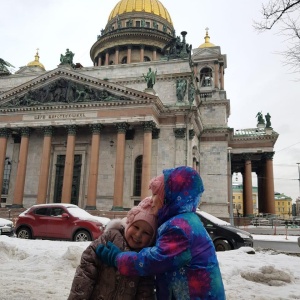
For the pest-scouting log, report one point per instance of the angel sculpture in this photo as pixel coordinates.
(3, 66)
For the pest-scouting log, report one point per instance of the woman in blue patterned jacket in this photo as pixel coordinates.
(184, 258)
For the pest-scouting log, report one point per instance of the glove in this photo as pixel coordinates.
(108, 253)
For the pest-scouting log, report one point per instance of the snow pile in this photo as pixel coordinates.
(41, 269)
(268, 275)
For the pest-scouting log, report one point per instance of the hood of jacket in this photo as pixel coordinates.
(117, 224)
(183, 190)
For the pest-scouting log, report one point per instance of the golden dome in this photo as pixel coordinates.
(36, 62)
(148, 6)
(207, 43)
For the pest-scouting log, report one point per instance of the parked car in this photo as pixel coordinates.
(6, 227)
(59, 221)
(260, 222)
(296, 221)
(224, 236)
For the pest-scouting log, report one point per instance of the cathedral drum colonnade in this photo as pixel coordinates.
(95, 136)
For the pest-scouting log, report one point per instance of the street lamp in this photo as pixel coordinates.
(299, 177)
(230, 187)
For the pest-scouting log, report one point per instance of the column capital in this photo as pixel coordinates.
(48, 130)
(179, 133)
(96, 128)
(122, 127)
(216, 62)
(25, 131)
(268, 155)
(148, 126)
(71, 129)
(247, 156)
(4, 132)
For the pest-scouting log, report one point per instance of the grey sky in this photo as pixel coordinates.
(255, 78)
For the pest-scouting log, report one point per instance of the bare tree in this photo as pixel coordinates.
(286, 15)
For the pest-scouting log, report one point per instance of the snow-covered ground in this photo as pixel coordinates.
(41, 269)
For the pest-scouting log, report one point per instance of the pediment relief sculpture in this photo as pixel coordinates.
(62, 91)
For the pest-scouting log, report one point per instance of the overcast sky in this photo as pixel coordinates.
(255, 78)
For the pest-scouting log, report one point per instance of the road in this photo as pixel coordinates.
(280, 230)
(286, 244)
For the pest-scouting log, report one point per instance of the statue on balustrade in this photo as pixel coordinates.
(67, 59)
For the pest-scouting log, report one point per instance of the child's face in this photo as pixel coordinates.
(139, 235)
(157, 204)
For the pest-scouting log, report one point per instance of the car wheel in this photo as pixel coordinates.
(82, 236)
(24, 233)
(222, 245)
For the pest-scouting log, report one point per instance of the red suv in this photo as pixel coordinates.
(59, 221)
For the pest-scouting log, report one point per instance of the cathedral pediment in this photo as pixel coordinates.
(201, 53)
(64, 86)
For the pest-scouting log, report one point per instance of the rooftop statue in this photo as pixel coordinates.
(177, 48)
(67, 59)
(268, 120)
(3, 67)
(150, 78)
(260, 118)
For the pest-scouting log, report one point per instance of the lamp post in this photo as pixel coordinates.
(230, 187)
(299, 177)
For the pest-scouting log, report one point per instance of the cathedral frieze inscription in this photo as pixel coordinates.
(59, 116)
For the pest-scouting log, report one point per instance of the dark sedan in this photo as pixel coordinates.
(224, 236)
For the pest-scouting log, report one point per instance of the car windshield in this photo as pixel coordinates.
(213, 219)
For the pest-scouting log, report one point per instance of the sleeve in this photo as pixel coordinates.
(172, 251)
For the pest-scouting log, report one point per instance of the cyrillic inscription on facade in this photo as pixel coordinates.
(59, 116)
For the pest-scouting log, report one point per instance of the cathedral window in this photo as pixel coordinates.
(206, 77)
(124, 60)
(138, 175)
(6, 175)
(146, 58)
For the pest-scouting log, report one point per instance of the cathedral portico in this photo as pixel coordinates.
(95, 136)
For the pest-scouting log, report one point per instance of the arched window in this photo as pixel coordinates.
(206, 78)
(6, 176)
(146, 58)
(124, 60)
(138, 176)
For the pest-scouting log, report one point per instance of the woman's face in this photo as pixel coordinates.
(139, 235)
(157, 204)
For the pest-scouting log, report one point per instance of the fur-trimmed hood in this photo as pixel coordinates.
(118, 224)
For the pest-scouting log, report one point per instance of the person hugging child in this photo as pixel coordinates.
(183, 258)
(96, 280)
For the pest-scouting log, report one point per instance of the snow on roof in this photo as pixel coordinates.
(212, 218)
